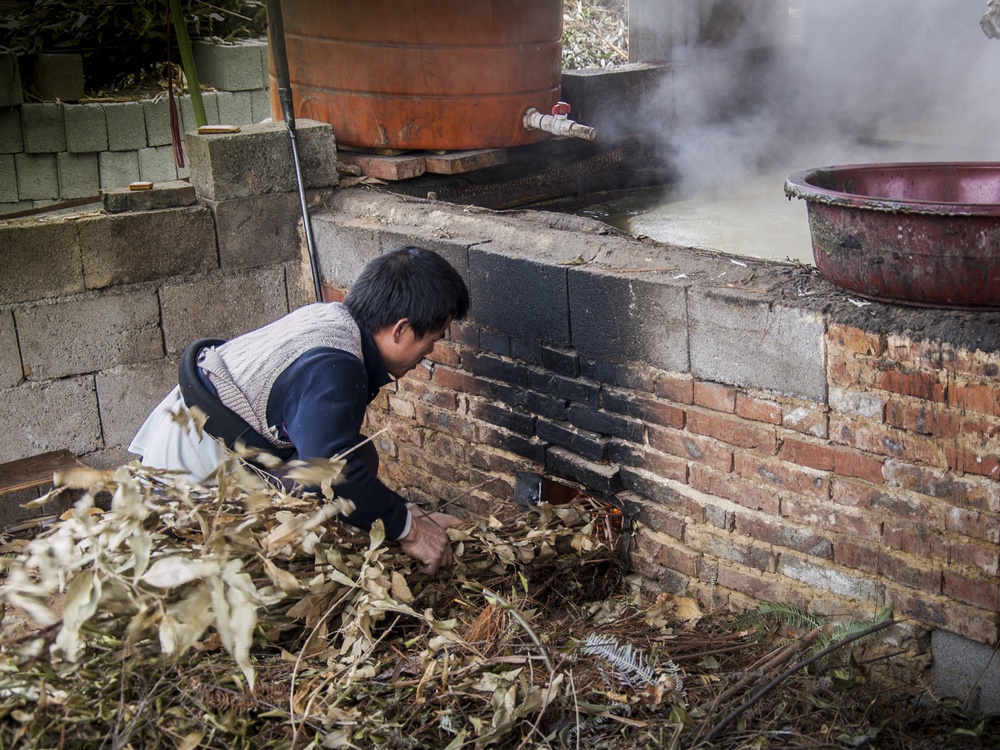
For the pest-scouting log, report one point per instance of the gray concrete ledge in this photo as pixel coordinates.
(572, 282)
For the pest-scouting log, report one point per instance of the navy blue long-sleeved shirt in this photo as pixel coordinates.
(319, 404)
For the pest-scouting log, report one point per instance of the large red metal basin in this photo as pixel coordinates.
(918, 233)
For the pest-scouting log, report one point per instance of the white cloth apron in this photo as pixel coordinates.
(164, 444)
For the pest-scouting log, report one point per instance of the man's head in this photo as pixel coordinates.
(406, 299)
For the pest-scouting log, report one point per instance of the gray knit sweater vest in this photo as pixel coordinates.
(243, 370)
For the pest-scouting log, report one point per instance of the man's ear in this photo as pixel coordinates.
(397, 329)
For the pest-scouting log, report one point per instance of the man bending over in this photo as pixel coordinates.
(299, 388)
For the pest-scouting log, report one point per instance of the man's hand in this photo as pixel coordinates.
(427, 541)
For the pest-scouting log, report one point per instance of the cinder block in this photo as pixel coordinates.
(126, 395)
(620, 318)
(11, 140)
(131, 248)
(333, 236)
(235, 108)
(57, 77)
(541, 308)
(231, 67)
(157, 164)
(11, 371)
(8, 179)
(37, 176)
(79, 176)
(344, 247)
(11, 93)
(89, 334)
(967, 670)
(221, 306)
(739, 339)
(157, 114)
(317, 153)
(86, 128)
(258, 230)
(258, 160)
(126, 126)
(208, 101)
(118, 168)
(40, 417)
(299, 281)
(43, 128)
(173, 194)
(260, 105)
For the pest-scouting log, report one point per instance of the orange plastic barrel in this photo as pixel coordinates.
(423, 74)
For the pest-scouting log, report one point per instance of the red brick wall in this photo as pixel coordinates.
(888, 493)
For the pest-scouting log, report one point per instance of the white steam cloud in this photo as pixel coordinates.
(847, 81)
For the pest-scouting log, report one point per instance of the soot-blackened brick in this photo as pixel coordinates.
(599, 370)
(526, 351)
(529, 448)
(601, 478)
(584, 442)
(661, 464)
(495, 342)
(625, 319)
(562, 361)
(540, 309)
(490, 366)
(571, 389)
(536, 403)
(500, 416)
(604, 423)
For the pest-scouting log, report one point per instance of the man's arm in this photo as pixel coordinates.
(323, 411)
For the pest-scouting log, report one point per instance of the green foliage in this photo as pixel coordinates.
(123, 42)
(595, 33)
(784, 614)
(780, 614)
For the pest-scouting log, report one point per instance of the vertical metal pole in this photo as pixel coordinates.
(276, 32)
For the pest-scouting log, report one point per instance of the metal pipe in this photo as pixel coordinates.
(557, 125)
(276, 29)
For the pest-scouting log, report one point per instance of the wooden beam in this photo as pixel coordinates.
(35, 471)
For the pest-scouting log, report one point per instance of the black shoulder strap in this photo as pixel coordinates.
(222, 421)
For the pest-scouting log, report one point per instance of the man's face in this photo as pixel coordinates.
(406, 350)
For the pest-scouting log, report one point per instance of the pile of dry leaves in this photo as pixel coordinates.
(246, 616)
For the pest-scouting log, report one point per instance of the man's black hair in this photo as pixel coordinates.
(409, 282)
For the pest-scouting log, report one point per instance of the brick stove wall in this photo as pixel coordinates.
(878, 484)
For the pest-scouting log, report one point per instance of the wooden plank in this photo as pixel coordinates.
(390, 168)
(456, 162)
(35, 471)
(379, 151)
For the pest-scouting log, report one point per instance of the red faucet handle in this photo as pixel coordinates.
(561, 109)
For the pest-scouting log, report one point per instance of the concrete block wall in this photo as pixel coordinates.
(54, 151)
(776, 446)
(96, 307)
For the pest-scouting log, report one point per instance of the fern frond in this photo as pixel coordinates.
(846, 629)
(778, 613)
(629, 663)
